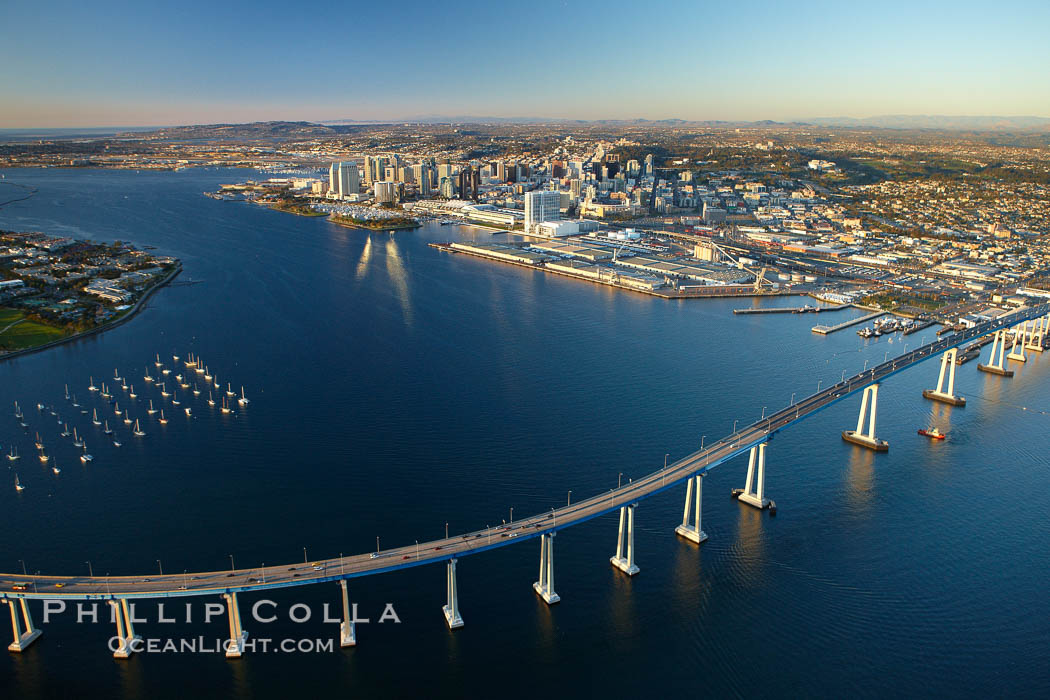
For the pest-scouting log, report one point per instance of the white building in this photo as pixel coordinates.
(344, 179)
(541, 206)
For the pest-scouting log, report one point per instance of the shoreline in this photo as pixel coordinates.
(388, 227)
(105, 326)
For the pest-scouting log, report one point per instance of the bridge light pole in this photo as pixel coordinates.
(342, 571)
(792, 402)
(304, 555)
(702, 441)
(763, 416)
(23, 567)
(843, 377)
(885, 355)
(734, 425)
(90, 572)
(818, 385)
(232, 567)
(160, 567)
(619, 477)
(866, 362)
(512, 514)
(568, 498)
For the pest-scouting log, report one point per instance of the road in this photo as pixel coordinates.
(285, 575)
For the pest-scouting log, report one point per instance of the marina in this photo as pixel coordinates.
(827, 330)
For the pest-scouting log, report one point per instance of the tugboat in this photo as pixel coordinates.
(932, 433)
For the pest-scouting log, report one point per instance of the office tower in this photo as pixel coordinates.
(649, 164)
(343, 179)
(541, 206)
(447, 188)
(470, 183)
(385, 191)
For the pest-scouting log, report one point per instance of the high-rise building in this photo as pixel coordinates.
(421, 176)
(649, 164)
(385, 191)
(343, 179)
(469, 183)
(541, 206)
(447, 188)
(574, 188)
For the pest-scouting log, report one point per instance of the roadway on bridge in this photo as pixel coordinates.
(280, 576)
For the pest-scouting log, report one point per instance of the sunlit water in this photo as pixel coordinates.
(395, 388)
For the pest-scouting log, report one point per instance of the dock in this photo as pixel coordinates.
(826, 330)
(922, 325)
(792, 309)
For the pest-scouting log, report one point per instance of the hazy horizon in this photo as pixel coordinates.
(115, 62)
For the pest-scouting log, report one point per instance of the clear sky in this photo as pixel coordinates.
(106, 62)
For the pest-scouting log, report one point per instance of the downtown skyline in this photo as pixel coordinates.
(690, 61)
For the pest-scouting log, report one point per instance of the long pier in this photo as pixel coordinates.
(16, 590)
(825, 330)
(793, 309)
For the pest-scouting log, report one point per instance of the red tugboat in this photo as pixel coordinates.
(933, 434)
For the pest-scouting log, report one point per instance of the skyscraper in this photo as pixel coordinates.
(343, 179)
(541, 206)
(469, 183)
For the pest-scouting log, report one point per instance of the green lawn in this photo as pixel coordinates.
(24, 334)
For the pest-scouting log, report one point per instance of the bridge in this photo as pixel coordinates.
(1028, 327)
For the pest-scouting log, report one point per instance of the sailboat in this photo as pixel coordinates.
(39, 445)
(217, 386)
(158, 363)
(65, 432)
(94, 419)
(67, 392)
(174, 399)
(190, 362)
(14, 456)
(55, 470)
(178, 378)
(107, 430)
(127, 418)
(18, 484)
(138, 431)
(116, 442)
(165, 371)
(116, 375)
(85, 458)
(243, 400)
(174, 358)
(75, 404)
(164, 391)
(151, 410)
(105, 392)
(207, 374)
(124, 385)
(225, 407)
(18, 411)
(163, 420)
(200, 368)
(77, 442)
(43, 457)
(91, 384)
(196, 390)
(146, 377)
(133, 394)
(185, 384)
(229, 390)
(187, 410)
(211, 401)
(116, 409)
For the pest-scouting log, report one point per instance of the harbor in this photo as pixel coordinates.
(828, 330)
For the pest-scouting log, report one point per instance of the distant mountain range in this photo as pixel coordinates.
(927, 121)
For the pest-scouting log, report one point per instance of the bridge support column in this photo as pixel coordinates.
(451, 610)
(858, 436)
(996, 363)
(625, 541)
(692, 532)
(1035, 338)
(545, 586)
(948, 362)
(235, 647)
(22, 640)
(755, 496)
(1020, 339)
(125, 628)
(347, 633)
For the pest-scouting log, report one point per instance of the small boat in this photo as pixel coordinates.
(196, 391)
(18, 484)
(932, 433)
(59, 421)
(39, 444)
(151, 410)
(146, 377)
(85, 458)
(164, 391)
(107, 430)
(243, 400)
(127, 418)
(217, 382)
(75, 404)
(67, 392)
(116, 376)
(116, 409)
(116, 442)
(229, 390)
(187, 410)
(184, 385)
(211, 401)
(43, 457)
(163, 420)
(133, 394)
(174, 399)
(225, 407)
(40, 407)
(190, 362)
(91, 385)
(14, 456)
(174, 358)
(207, 375)
(124, 386)
(178, 377)
(105, 392)
(94, 419)
(165, 371)
(158, 363)
(138, 431)
(55, 470)
(65, 432)
(18, 411)
(77, 442)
